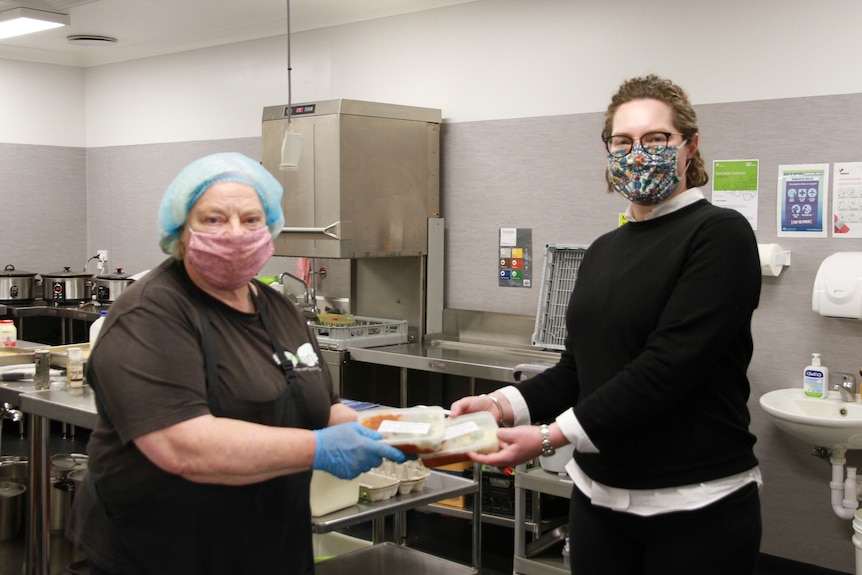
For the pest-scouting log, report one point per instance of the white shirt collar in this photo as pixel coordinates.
(682, 200)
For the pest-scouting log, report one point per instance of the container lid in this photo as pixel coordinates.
(118, 275)
(10, 271)
(412, 429)
(66, 273)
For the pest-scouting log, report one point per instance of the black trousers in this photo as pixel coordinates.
(720, 539)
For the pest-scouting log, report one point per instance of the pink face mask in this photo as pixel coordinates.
(229, 262)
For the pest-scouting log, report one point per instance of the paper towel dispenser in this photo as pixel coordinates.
(838, 286)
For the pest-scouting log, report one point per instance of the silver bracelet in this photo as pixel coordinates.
(499, 407)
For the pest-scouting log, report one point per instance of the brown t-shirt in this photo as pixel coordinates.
(148, 372)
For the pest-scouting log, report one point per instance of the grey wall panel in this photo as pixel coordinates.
(547, 174)
(43, 210)
(126, 185)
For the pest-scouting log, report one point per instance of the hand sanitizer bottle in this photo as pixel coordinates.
(815, 379)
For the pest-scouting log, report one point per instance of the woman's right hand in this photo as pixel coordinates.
(348, 449)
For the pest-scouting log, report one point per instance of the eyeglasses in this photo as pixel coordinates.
(652, 142)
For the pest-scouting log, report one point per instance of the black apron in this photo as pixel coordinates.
(204, 529)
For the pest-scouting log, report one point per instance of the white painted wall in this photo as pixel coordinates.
(484, 60)
(41, 104)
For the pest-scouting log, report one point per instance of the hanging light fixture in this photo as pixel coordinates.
(20, 21)
(291, 145)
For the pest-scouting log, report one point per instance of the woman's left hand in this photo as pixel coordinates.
(517, 445)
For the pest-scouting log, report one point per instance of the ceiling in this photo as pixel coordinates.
(145, 28)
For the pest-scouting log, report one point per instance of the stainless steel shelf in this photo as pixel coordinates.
(388, 558)
(438, 486)
(538, 480)
(491, 362)
(539, 566)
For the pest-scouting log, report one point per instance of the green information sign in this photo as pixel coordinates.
(735, 176)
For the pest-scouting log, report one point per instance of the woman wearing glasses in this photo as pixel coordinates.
(651, 389)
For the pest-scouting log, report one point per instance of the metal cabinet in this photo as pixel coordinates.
(538, 480)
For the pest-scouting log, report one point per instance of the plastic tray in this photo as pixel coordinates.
(559, 274)
(470, 432)
(363, 332)
(411, 429)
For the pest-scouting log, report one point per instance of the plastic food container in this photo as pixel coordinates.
(470, 432)
(329, 493)
(412, 429)
(376, 487)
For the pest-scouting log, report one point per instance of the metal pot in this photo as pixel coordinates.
(16, 285)
(109, 287)
(67, 286)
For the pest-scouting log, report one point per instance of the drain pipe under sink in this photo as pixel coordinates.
(845, 501)
(844, 495)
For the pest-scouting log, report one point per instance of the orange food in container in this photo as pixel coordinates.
(412, 429)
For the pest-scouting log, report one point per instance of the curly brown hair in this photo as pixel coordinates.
(684, 118)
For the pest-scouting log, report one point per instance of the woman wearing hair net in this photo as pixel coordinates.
(209, 421)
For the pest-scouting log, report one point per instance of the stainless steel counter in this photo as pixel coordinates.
(68, 406)
(77, 407)
(40, 308)
(475, 360)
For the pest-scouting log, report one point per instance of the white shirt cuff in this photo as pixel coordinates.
(519, 406)
(571, 428)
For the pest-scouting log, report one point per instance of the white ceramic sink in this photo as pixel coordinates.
(828, 422)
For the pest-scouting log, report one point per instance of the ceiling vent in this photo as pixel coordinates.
(90, 40)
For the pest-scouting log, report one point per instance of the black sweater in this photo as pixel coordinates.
(659, 341)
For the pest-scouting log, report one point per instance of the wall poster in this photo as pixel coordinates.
(516, 257)
(734, 185)
(803, 201)
(847, 200)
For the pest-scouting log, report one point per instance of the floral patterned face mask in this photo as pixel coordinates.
(643, 178)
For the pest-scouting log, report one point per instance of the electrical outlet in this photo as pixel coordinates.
(103, 255)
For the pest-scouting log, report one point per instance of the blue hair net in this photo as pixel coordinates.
(194, 180)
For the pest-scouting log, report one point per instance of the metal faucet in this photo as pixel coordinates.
(6, 412)
(847, 387)
(309, 291)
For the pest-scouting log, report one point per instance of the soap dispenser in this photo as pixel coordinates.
(815, 379)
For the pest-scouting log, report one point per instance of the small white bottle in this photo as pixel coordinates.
(8, 333)
(815, 378)
(96, 327)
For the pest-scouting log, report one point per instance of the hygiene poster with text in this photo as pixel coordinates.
(803, 201)
(847, 200)
(516, 257)
(734, 185)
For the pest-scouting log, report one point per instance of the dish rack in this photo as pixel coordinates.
(559, 273)
(363, 332)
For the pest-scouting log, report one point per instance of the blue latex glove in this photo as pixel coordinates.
(348, 449)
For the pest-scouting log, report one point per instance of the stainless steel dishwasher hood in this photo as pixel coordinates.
(367, 180)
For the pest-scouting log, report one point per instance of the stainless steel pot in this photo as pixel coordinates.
(110, 286)
(16, 286)
(67, 286)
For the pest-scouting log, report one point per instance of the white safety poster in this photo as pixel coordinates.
(803, 201)
(847, 200)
